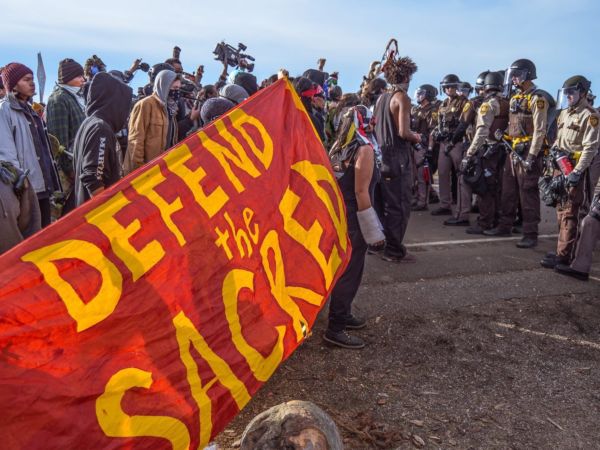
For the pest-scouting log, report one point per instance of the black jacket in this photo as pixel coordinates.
(96, 153)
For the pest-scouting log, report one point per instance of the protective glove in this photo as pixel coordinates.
(464, 164)
(529, 163)
(370, 227)
(573, 179)
(429, 154)
(448, 148)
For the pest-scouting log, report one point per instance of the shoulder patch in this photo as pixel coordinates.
(466, 107)
(484, 109)
(540, 103)
(594, 121)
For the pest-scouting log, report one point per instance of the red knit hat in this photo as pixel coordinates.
(13, 73)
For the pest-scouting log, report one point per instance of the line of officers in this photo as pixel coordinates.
(513, 145)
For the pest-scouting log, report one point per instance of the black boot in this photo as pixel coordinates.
(527, 242)
(567, 270)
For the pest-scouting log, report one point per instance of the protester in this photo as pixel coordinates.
(215, 107)
(153, 124)
(392, 128)
(308, 90)
(23, 138)
(353, 161)
(64, 113)
(19, 208)
(96, 151)
(234, 93)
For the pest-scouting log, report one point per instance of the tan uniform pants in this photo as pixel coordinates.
(445, 165)
(567, 213)
(589, 235)
(422, 187)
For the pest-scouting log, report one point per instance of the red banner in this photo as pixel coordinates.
(149, 316)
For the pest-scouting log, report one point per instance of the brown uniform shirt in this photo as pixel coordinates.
(424, 118)
(449, 113)
(492, 115)
(529, 118)
(579, 131)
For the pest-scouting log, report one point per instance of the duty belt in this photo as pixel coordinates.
(518, 140)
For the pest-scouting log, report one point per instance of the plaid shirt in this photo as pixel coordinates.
(64, 116)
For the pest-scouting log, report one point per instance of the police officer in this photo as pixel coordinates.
(464, 133)
(450, 155)
(527, 127)
(487, 151)
(589, 234)
(423, 121)
(578, 140)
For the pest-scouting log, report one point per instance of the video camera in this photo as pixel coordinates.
(232, 56)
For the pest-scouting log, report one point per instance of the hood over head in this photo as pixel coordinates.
(109, 99)
(162, 84)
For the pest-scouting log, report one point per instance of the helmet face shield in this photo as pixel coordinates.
(515, 76)
(464, 91)
(420, 95)
(567, 97)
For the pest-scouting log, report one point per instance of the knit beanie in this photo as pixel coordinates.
(13, 73)
(68, 69)
(215, 107)
(233, 92)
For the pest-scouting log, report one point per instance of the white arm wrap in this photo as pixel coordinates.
(370, 226)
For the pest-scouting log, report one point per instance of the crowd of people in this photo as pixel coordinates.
(501, 152)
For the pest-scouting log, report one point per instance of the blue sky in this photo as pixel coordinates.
(453, 36)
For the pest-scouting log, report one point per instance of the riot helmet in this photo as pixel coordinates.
(573, 90)
(449, 81)
(426, 91)
(465, 89)
(493, 81)
(480, 80)
(520, 71)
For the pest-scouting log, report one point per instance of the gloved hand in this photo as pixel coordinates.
(529, 163)
(464, 163)
(448, 148)
(429, 154)
(573, 179)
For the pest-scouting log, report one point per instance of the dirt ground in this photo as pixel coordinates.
(491, 353)
(455, 380)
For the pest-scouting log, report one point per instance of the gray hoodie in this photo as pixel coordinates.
(162, 84)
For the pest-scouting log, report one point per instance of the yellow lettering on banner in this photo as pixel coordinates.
(248, 214)
(116, 423)
(104, 303)
(145, 184)
(188, 334)
(138, 262)
(310, 239)
(238, 156)
(283, 294)
(238, 119)
(315, 173)
(221, 241)
(242, 239)
(211, 203)
(261, 367)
